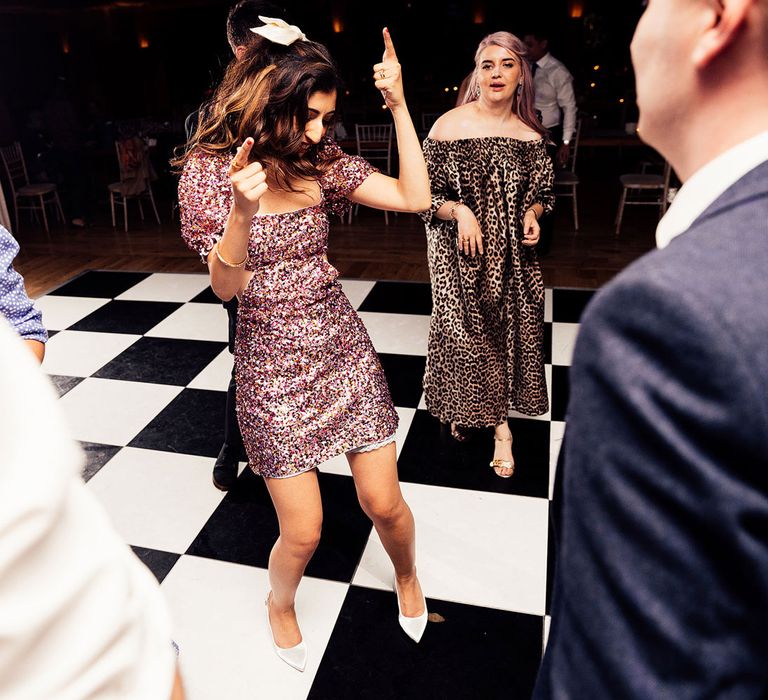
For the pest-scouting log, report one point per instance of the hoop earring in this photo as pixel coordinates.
(519, 88)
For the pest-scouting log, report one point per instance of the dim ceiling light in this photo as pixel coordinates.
(596, 68)
(621, 101)
(592, 84)
(447, 89)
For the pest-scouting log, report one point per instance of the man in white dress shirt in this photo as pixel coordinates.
(556, 102)
(661, 493)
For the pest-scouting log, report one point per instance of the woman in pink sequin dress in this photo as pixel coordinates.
(309, 383)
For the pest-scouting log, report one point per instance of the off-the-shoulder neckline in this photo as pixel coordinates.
(484, 138)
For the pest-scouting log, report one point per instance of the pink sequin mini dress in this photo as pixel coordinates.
(309, 382)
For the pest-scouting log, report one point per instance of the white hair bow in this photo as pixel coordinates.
(279, 31)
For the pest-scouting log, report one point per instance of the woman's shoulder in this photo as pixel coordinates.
(451, 126)
(200, 159)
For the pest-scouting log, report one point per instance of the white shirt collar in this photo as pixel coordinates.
(707, 184)
(542, 62)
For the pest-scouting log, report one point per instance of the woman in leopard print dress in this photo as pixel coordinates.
(491, 181)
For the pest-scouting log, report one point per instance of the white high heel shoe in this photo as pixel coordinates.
(413, 626)
(295, 656)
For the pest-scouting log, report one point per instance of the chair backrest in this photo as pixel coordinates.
(570, 163)
(374, 142)
(428, 119)
(15, 167)
(665, 193)
(133, 161)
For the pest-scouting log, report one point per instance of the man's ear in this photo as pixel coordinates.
(240, 52)
(723, 23)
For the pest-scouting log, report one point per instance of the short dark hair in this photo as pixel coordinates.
(245, 14)
(538, 33)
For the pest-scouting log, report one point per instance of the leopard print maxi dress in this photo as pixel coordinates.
(486, 337)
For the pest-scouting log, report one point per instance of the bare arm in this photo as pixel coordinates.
(410, 190)
(226, 261)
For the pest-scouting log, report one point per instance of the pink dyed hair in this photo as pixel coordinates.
(523, 104)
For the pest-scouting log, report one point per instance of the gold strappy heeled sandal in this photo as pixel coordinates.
(502, 463)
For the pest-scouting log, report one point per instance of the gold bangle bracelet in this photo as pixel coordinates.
(452, 212)
(226, 263)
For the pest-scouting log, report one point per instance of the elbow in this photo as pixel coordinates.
(424, 203)
(223, 292)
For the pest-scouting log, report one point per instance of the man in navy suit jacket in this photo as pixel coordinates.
(661, 579)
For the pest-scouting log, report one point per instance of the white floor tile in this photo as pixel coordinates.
(157, 499)
(61, 312)
(356, 291)
(220, 625)
(403, 334)
(563, 341)
(196, 322)
(472, 547)
(339, 464)
(166, 286)
(556, 433)
(81, 353)
(216, 375)
(113, 412)
(547, 305)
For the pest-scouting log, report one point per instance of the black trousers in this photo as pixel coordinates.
(547, 223)
(233, 440)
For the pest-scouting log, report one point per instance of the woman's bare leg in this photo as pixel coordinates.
(300, 514)
(502, 449)
(378, 490)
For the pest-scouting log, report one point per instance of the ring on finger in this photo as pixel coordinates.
(382, 74)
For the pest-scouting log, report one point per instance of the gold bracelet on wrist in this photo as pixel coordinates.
(226, 263)
(452, 212)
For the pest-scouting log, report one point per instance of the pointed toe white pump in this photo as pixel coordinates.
(296, 656)
(413, 626)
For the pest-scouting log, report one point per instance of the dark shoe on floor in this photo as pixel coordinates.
(224, 471)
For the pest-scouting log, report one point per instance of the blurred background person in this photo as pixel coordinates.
(81, 618)
(556, 102)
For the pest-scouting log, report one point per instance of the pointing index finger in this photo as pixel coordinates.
(389, 47)
(241, 159)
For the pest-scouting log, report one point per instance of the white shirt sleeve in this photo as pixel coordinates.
(562, 81)
(80, 616)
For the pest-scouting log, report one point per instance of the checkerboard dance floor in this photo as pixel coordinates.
(141, 365)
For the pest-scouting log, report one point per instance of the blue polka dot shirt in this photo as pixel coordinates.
(15, 305)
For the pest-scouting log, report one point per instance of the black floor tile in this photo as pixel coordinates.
(568, 304)
(399, 298)
(101, 283)
(64, 384)
(96, 456)
(193, 424)
(126, 317)
(162, 361)
(244, 527)
(158, 562)
(207, 297)
(431, 456)
(560, 391)
(404, 375)
(473, 653)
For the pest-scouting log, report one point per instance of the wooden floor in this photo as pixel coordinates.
(365, 249)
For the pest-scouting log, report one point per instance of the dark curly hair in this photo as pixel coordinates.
(265, 96)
